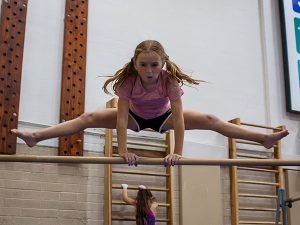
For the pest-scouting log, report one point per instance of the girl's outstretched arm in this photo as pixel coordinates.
(178, 125)
(154, 207)
(122, 123)
(125, 197)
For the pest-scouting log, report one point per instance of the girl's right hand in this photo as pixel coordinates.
(172, 159)
(130, 158)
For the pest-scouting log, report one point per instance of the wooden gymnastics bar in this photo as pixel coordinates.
(148, 161)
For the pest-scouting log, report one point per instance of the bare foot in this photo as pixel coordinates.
(28, 137)
(273, 138)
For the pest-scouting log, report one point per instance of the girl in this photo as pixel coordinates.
(145, 205)
(149, 97)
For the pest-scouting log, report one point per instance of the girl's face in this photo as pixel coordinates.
(148, 66)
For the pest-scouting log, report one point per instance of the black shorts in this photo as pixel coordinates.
(155, 123)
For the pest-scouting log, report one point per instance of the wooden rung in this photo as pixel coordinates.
(250, 143)
(245, 155)
(144, 144)
(141, 173)
(116, 202)
(247, 142)
(258, 182)
(256, 222)
(265, 167)
(256, 195)
(118, 186)
(260, 126)
(257, 169)
(255, 151)
(257, 209)
(133, 219)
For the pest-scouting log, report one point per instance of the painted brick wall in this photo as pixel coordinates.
(66, 194)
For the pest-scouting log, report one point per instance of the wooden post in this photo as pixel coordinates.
(234, 203)
(108, 170)
(279, 176)
(73, 73)
(277, 155)
(12, 31)
(169, 179)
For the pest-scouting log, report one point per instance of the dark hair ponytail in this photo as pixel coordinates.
(144, 201)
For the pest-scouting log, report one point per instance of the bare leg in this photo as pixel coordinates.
(196, 120)
(105, 118)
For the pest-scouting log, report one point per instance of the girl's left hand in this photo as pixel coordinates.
(172, 159)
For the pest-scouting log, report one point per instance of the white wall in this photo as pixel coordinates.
(275, 76)
(235, 46)
(42, 62)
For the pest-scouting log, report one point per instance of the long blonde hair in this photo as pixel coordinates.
(128, 69)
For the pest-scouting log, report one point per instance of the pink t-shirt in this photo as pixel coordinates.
(149, 104)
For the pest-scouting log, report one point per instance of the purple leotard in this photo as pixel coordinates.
(151, 219)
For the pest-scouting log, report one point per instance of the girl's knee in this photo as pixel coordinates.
(212, 120)
(87, 117)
